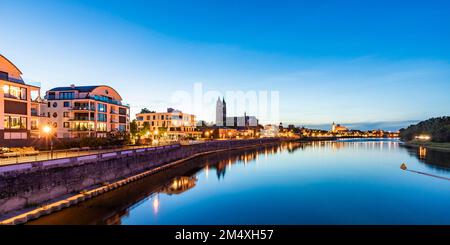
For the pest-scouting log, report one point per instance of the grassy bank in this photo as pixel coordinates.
(431, 145)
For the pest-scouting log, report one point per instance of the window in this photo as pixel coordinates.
(55, 125)
(55, 104)
(66, 95)
(55, 114)
(15, 122)
(101, 107)
(66, 114)
(15, 92)
(66, 125)
(101, 117)
(101, 127)
(66, 104)
(4, 76)
(48, 104)
(34, 125)
(51, 96)
(122, 111)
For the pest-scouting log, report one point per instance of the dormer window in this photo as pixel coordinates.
(4, 76)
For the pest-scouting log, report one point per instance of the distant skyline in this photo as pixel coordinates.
(360, 63)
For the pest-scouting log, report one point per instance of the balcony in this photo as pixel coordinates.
(81, 119)
(83, 108)
(92, 97)
(80, 129)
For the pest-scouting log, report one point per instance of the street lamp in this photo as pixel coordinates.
(148, 136)
(48, 131)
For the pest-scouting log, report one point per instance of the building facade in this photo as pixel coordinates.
(86, 111)
(221, 112)
(223, 121)
(20, 107)
(337, 128)
(173, 122)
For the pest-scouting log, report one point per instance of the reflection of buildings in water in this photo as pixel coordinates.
(248, 156)
(437, 160)
(343, 144)
(155, 204)
(179, 185)
(422, 152)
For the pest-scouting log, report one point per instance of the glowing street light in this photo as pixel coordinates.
(423, 137)
(48, 132)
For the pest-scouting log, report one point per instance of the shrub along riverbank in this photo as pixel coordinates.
(438, 129)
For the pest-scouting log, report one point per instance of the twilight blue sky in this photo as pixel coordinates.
(364, 63)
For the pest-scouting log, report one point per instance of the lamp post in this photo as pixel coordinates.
(48, 131)
(155, 133)
(148, 137)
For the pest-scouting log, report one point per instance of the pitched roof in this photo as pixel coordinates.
(82, 89)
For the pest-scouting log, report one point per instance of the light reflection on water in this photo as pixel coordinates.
(327, 182)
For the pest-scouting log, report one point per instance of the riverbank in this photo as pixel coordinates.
(167, 160)
(430, 145)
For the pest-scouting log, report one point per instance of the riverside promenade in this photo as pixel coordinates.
(26, 187)
(58, 154)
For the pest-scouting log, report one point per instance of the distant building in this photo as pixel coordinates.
(225, 133)
(176, 123)
(86, 111)
(237, 121)
(19, 111)
(221, 112)
(270, 130)
(337, 128)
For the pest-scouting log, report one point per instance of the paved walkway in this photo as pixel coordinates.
(46, 155)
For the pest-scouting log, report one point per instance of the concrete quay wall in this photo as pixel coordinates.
(32, 184)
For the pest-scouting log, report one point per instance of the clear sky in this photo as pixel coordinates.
(353, 62)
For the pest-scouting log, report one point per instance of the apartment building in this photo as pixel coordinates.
(86, 111)
(173, 122)
(19, 107)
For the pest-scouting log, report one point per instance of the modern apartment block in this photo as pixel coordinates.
(19, 107)
(86, 111)
(176, 123)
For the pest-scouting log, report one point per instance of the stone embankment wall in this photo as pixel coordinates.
(30, 184)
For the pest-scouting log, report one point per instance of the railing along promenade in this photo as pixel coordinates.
(58, 154)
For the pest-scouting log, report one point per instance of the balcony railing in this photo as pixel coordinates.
(81, 119)
(93, 97)
(83, 108)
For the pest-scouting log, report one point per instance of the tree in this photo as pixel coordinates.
(437, 128)
(145, 129)
(133, 128)
(145, 110)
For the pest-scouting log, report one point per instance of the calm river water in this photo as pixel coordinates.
(343, 182)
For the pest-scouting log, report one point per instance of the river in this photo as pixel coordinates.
(341, 182)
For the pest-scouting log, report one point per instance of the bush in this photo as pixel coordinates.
(437, 128)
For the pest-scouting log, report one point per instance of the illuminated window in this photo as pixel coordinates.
(15, 122)
(15, 92)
